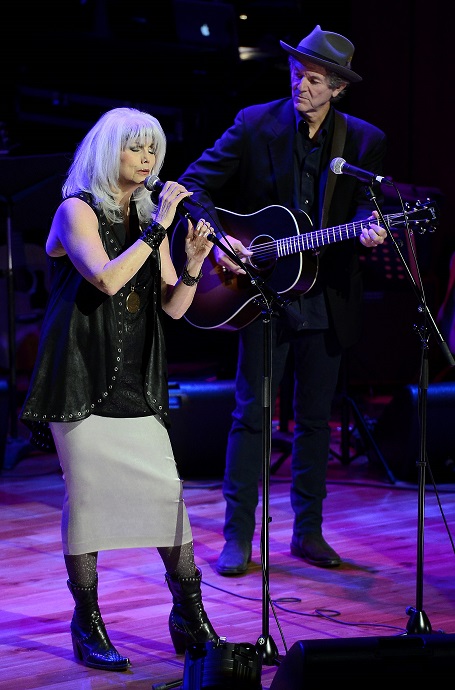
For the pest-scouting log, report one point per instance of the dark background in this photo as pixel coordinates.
(68, 62)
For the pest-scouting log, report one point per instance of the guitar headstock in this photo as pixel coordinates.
(422, 217)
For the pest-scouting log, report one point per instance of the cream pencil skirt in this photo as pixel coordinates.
(122, 487)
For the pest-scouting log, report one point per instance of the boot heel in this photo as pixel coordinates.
(76, 649)
(179, 640)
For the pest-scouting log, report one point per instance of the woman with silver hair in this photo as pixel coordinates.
(100, 378)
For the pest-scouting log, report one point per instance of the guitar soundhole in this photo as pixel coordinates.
(264, 253)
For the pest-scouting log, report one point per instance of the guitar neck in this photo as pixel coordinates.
(319, 238)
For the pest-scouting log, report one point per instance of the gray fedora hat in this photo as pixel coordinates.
(332, 51)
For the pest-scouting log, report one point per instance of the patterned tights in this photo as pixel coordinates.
(178, 561)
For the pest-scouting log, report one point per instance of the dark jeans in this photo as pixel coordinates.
(317, 357)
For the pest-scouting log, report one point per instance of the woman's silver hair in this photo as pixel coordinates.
(96, 162)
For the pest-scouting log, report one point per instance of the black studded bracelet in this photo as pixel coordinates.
(153, 235)
(190, 280)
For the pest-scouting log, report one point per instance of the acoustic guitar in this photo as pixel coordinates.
(285, 256)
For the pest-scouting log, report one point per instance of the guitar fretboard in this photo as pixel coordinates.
(317, 238)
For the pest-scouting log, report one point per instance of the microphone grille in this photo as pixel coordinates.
(336, 165)
(150, 182)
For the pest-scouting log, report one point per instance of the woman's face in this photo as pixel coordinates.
(136, 163)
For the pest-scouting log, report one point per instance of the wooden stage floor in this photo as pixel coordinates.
(371, 522)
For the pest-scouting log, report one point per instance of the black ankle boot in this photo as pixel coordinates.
(91, 643)
(188, 622)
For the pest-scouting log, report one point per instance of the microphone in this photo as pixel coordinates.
(155, 185)
(340, 167)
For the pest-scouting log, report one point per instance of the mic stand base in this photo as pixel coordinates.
(269, 651)
(418, 623)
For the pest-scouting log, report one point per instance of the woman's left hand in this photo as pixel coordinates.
(197, 246)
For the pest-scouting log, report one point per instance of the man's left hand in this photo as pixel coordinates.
(372, 233)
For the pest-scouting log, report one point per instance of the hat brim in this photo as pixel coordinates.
(344, 72)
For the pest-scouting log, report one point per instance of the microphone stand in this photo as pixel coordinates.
(418, 622)
(268, 299)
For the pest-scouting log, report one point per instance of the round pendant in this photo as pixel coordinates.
(133, 302)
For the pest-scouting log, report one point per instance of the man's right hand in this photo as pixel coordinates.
(238, 248)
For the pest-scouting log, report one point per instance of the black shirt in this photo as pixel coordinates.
(309, 156)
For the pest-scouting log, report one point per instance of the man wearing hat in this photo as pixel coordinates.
(279, 153)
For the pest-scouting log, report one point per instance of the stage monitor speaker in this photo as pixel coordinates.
(397, 432)
(222, 665)
(408, 661)
(200, 416)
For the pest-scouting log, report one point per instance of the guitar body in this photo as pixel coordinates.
(227, 301)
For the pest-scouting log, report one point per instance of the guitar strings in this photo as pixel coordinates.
(314, 239)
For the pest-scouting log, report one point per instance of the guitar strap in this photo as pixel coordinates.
(339, 137)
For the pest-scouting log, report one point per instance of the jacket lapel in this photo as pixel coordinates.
(281, 149)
